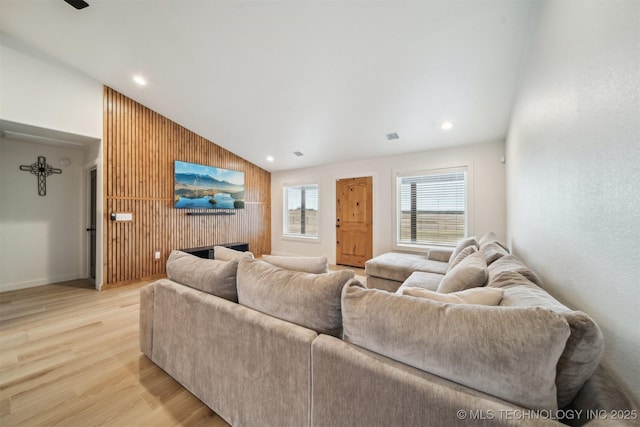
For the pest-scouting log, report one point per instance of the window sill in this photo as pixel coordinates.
(420, 248)
(305, 239)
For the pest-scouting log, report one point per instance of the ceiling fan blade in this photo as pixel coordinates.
(78, 4)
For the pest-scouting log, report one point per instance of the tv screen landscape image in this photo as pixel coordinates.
(207, 187)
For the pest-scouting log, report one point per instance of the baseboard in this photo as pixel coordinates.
(38, 282)
(107, 286)
(281, 254)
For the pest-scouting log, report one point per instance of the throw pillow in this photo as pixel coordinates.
(223, 253)
(510, 353)
(469, 241)
(307, 264)
(462, 255)
(211, 276)
(479, 296)
(470, 273)
(306, 299)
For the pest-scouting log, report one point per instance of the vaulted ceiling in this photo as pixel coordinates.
(329, 79)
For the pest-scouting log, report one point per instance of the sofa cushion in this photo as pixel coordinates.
(471, 272)
(462, 255)
(420, 279)
(211, 276)
(469, 241)
(492, 252)
(515, 264)
(374, 282)
(442, 255)
(307, 264)
(491, 237)
(398, 266)
(585, 345)
(223, 253)
(480, 296)
(510, 353)
(306, 299)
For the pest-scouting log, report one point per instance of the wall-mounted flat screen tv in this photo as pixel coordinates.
(207, 187)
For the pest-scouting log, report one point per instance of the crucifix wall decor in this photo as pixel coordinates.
(42, 170)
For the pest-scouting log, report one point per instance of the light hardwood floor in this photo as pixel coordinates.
(69, 355)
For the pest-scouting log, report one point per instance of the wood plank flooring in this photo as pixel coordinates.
(69, 356)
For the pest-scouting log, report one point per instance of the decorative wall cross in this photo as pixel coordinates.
(42, 170)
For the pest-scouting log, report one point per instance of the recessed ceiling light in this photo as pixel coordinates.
(392, 136)
(140, 80)
(298, 153)
(446, 125)
(270, 159)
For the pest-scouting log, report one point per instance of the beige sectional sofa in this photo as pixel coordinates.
(390, 270)
(298, 348)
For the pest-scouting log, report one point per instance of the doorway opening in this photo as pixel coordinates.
(92, 221)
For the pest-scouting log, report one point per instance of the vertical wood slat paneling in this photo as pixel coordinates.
(140, 148)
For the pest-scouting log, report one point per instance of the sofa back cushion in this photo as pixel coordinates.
(491, 237)
(214, 277)
(306, 264)
(223, 253)
(514, 264)
(510, 353)
(585, 345)
(471, 272)
(492, 252)
(306, 299)
(492, 248)
(469, 241)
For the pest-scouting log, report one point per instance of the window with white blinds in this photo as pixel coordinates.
(432, 207)
(301, 210)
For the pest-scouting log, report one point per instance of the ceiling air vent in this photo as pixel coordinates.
(392, 136)
(298, 153)
(78, 4)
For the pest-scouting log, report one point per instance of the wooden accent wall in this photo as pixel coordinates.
(140, 147)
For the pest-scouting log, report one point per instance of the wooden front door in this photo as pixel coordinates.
(354, 222)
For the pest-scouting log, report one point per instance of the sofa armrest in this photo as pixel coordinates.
(441, 255)
(146, 319)
(600, 398)
(250, 368)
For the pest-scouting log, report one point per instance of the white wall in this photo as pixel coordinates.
(486, 176)
(574, 167)
(41, 93)
(41, 235)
